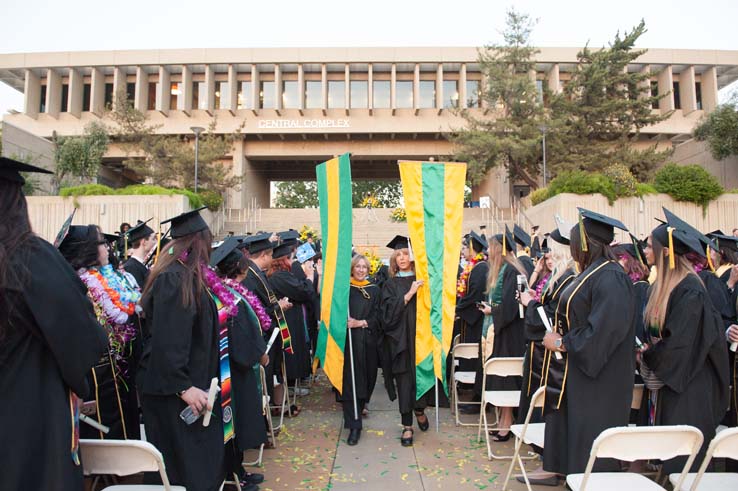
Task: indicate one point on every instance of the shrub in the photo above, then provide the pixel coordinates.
(687, 183)
(622, 179)
(643, 189)
(195, 200)
(212, 199)
(581, 182)
(87, 190)
(539, 196)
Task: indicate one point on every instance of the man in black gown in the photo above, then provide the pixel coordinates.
(141, 239)
(523, 240)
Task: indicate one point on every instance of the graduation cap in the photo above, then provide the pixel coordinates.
(140, 231)
(76, 235)
(399, 242)
(187, 223)
(259, 242)
(282, 250)
(520, 235)
(562, 232)
(634, 249)
(481, 243)
(544, 246)
(677, 222)
(289, 237)
(224, 249)
(10, 170)
(507, 240)
(64, 229)
(678, 241)
(598, 226)
(111, 238)
(722, 240)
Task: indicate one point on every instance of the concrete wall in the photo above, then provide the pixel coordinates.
(23, 145)
(696, 152)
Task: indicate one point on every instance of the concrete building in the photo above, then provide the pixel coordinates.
(302, 106)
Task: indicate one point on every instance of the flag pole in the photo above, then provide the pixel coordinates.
(436, 405)
(353, 378)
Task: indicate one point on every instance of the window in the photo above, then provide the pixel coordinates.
(153, 96)
(539, 91)
(42, 101)
(677, 99)
(404, 94)
(267, 96)
(450, 93)
(222, 92)
(65, 98)
(381, 94)
(313, 94)
(176, 100)
(108, 95)
(359, 94)
(698, 94)
(201, 96)
(473, 93)
(131, 91)
(427, 94)
(654, 93)
(244, 96)
(290, 94)
(336, 94)
(86, 96)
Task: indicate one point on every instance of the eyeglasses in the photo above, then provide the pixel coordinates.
(105, 243)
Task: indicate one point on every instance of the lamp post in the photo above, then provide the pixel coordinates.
(197, 130)
(544, 129)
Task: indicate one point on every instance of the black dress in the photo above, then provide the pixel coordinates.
(50, 340)
(363, 305)
(640, 289)
(182, 352)
(471, 318)
(137, 269)
(595, 314)
(691, 359)
(732, 416)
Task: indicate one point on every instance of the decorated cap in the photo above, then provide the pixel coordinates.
(223, 250)
(399, 242)
(187, 223)
(597, 226)
(520, 235)
(562, 232)
(10, 170)
(480, 244)
(64, 229)
(140, 231)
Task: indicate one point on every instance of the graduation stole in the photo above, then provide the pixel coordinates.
(495, 295)
(225, 368)
(74, 405)
(284, 330)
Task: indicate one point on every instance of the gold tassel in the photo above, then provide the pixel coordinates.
(672, 260)
(504, 244)
(709, 258)
(158, 244)
(582, 235)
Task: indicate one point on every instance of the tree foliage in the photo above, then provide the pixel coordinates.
(687, 183)
(80, 156)
(720, 130)
(304, 194)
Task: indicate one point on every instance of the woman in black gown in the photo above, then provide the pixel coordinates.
(363, 328)
(398, 309)
(49, 341)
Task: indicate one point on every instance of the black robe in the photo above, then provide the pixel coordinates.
(398, 322)
(50, 340)
(640, 289)
(137, 269)
(719, 295)
(691, 359)
(301, 294)
(527, 263)
(364, 342)
(471, 318)
(182, 352)
(732, 416)
(312, 309)
(596, 315)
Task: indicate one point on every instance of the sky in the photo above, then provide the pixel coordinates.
(77, 25)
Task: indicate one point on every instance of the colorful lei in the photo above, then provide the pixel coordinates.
(541, 285)
(254, 302)
(462, 284)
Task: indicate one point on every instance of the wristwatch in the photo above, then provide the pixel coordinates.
(179, 394)
(558, 343)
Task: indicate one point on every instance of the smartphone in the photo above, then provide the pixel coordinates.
(522, 283)
(188, 415)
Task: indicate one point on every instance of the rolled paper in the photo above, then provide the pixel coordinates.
(94, 424)
(214, 389)
(547, 325)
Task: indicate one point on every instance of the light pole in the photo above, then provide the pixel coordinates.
(197, 130)
(544, 129)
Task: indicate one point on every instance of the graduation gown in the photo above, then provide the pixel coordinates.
(137, 269)
(301, 294)
(312, 309)
(640, 289)
(595, 314)
(719, 295)
(366, 359)
(50, 340)
(245, 348)
(527, 263)
(182, 352)
(732, 416)
(691, 359)
(466, 307)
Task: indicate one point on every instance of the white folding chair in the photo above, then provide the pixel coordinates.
(637, 443)
(462, 351)
(724, 445)
(267, 410)
(502, 367)
(528, 433)
(285, 397)
(124, 458)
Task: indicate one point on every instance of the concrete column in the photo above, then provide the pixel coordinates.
(393, 87)
(439, 86)
(209, 88)
(164, 91)
(254, 88)
(687, 93)
(237, 197)
(347, 86)
(482, 89)
(255, 185)
(646, 84)
(416, 87)
(532, 75)
(232, 97)
(709, 89)
(119, 84)
(554, 82)
(31, 94)
(324, 87)
(370, 86)
(142, 90)
(76, 92)
(666, 85)
(300, 87)
(186, 89)
(97, 92)
(278, 87)
(53, 92)
(462, 86)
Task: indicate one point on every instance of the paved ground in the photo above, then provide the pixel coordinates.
(312, 453)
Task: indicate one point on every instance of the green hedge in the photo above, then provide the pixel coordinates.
(687, 183)
(581, 182)
(210, 199)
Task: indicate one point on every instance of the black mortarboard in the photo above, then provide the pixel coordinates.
(223, 250)
(140, 231)
(64, 229)
(10, 170)
(544, 246)
(259, 242)
(722, 240)
(520, 235)
(76, 235)
(399, 242)
(289, 237)
(282, 250)
(598, 226)
(507, 240)
(562, 232)
(111, 238)
(480, 244)
(682, 242)
(677, 222)
(187, 223)
(634, 249)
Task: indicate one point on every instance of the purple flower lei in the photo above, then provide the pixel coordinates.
(215, 285)
(254, 302)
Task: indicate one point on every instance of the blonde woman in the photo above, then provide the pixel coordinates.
(502, 313)
(685, 363)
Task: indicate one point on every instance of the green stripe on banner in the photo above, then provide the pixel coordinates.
(433, 223)
(323, 197)
(341, 284)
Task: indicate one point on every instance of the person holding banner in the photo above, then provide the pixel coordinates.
(181, 302)
(398, 310)
(360, 351)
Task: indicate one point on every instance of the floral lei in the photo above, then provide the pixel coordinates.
(254, 302)
(462, 284)
(541, 285)
(216, 286)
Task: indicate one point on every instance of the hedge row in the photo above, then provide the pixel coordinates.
(210, 199)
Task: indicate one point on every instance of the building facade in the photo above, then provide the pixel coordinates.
(300, 106)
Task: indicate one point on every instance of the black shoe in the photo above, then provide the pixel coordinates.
(353, 437)
(422, 426)
(407, 442)
(253, 478)
(469, 408)
(500, 438)
(541, 481)
(247, 486)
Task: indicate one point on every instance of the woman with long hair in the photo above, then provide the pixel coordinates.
(502, 314)
(49, 341)
(594, 332)
(116, 303)
(685, 365)
(183, 302)
(398, 309)
(360, 375)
